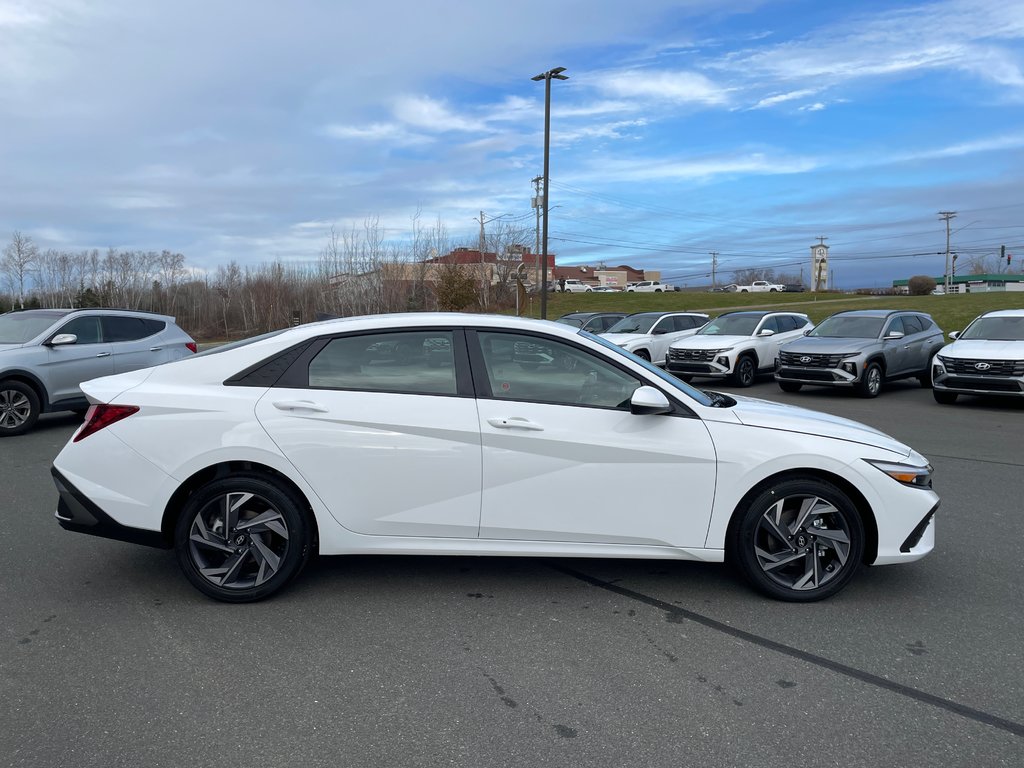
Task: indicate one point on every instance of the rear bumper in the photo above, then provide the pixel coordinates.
(76, 512)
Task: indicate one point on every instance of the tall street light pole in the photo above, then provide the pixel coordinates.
(556, 74)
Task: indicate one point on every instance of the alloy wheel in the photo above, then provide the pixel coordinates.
(15, 409)
(802, 542)
(238, 541)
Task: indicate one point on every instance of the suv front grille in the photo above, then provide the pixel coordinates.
(987, 367)
(691, 355)
(809, 361)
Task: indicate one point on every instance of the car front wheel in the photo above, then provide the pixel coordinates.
(19, 408)
(870, 383)
(241, 538)
(943, 397)
(799, 541)
(790, 386)
(745, 372)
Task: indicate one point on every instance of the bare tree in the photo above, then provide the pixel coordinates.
(17, 264)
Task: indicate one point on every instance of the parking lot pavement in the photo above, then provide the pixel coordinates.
(109, 658)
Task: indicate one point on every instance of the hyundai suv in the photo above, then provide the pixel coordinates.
(986, 359)
(648, 334)
(46, 353)
(736, 346)
(861, 349)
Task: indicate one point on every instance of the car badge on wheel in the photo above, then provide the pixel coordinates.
(982, 366)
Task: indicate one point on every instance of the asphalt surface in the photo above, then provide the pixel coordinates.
(109, 658)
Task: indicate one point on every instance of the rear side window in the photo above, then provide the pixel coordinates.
(120, 328)
(421, 362)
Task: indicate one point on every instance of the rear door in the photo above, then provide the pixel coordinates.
(133, 341)
(384, 428)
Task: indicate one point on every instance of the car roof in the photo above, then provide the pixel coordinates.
(42, 312)
(1003, 313)
(662, 314)
(878, 312)
(589, 315)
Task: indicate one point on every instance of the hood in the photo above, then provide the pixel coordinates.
(10, 346)
(791, 418)
(823, 345)
(974, 349)
(710, 342)
(625, 338)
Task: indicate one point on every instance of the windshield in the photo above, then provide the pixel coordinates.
(693, 392)
(640, 323)
(574, 320)
(731, 325)
(996, 329)
(19, 327)
(847, 327)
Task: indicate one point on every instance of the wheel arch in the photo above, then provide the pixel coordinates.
(867, 514)
(29, 380)
(174, 506)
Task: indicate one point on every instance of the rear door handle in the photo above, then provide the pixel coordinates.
(102, 354)
(299, 405)
(155, 349)
(515, 422)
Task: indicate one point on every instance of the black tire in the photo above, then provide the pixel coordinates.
(773, 290)
(925, 379)
(643, 354)
(745, 372)
(790, 386)
(684, 377)
(943, 397)
(238, 560)
(870, 383)
(19, 408)
(797, 560)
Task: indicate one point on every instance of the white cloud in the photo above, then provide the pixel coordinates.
(433, 115)
(815, 107)
(384, 132)
(771, 101)
(663, 86)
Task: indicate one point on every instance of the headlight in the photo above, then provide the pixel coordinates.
(907, 474)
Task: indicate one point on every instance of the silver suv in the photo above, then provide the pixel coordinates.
(861, 348)
(987, 358)
(46, 353)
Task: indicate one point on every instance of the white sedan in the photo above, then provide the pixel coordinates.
(462, 435)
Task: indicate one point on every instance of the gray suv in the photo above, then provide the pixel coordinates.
(861, 348)
(46, 353)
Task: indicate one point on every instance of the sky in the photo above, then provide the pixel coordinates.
(246, 131)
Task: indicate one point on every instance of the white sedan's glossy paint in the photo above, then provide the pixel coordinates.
(407, 474)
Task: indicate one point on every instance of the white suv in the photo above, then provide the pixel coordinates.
(648, 286)
(576, 286)
(736, 345)
(987, 358)
(648, 334)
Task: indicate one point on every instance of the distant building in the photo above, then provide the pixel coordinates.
(972, 283)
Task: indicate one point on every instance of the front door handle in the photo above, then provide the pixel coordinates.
(299, 405)
(155, 349)
(102, 354)
(515, 422)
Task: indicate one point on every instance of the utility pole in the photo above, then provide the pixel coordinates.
(483, 282)
(536, 248)
(714, 268)
(555, 73)
(947, 283)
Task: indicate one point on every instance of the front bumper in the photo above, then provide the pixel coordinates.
(76, 512)
(829, 377)
(965, 384)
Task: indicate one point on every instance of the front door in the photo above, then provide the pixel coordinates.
(565, 460)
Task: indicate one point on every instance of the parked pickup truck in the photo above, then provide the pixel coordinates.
(761, 286)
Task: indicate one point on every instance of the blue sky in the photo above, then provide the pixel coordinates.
(246, 130)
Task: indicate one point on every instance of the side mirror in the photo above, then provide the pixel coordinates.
(894, 335)
(954, 335)
(63, 338)
(648, 401)
(766, 332)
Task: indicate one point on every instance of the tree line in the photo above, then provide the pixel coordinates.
(356, 272)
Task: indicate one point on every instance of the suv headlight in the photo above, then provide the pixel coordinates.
(906, 474)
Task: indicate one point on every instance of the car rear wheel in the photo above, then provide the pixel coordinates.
(790, 386)
(945, 398)
(745, 372)
(241, 538)
(870, 383)
(19, 408)
(799, 541)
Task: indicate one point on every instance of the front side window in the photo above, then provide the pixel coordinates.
(912, 323)
(420, 362)
(895, 326)
(769, 324)
(87, 329)
(542, 370)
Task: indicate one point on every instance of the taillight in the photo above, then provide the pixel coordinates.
(191, 346)
(100, 416)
